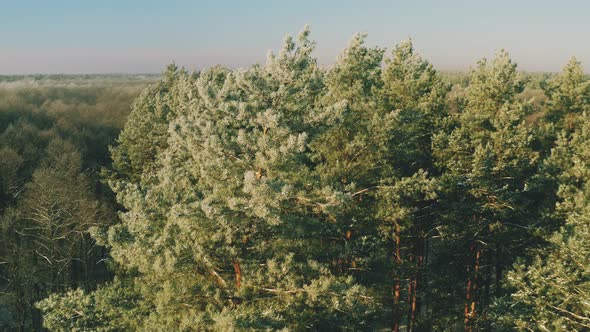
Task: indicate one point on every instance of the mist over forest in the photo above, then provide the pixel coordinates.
(374, 194)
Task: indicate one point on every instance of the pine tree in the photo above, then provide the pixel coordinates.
(267, 197)
(569, 95)
(146, 130)
(225, 229)
(551, 293)
(413, 96)
(348, 154)
(488, 161)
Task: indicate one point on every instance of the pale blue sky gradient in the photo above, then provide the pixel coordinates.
(130, 36)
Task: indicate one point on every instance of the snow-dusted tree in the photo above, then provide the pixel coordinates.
(227, 228)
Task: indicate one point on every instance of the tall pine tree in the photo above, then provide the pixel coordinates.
(488, 161)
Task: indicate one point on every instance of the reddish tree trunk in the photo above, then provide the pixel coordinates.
(414, 283)
(467, 302)
(470, 297)
(396, 297)
(238, 272)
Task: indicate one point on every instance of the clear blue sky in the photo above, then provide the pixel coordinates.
(84, 36)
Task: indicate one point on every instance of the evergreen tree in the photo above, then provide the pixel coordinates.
(488, 162)
(569, 95)
(413, 97)
(146, 130)
(551, 293)
(225, 230)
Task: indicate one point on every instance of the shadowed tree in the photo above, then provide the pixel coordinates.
(488, 161)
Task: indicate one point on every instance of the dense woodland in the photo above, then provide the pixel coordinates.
(54, 138)
(373, 194)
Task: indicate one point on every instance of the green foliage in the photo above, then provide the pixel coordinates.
(488, 163)
(569, 95)
(145, 133)
(551, 292)
(373, 194)
(219, 228)
(113, 307)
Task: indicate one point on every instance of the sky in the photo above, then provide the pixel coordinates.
(142, 36)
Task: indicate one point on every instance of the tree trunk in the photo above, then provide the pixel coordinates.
(397, 283)
(470, 296)
(467, 301)
(238, 272)
(411, 284)
(414, 283)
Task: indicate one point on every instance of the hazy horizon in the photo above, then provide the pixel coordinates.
(131, 37)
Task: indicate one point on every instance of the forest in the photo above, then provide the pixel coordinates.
(372, 194)
(54, 137)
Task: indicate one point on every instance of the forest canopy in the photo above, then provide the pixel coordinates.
(373, 194)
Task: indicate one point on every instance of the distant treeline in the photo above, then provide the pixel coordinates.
(80, 78)
(375, 194)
